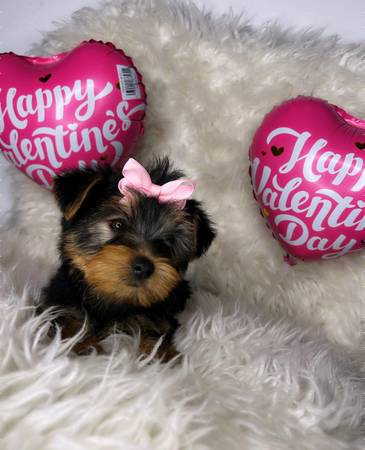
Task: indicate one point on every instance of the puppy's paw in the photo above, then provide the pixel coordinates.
(165, 352)
(87, 346)
(70, 325)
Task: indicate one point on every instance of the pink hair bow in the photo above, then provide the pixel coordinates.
(136, 178)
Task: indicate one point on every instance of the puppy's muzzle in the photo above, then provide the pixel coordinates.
(142, 268)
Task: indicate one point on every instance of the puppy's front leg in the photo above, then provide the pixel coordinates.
(165, 352)
(70, 326)
(151, 329)
(71, 322)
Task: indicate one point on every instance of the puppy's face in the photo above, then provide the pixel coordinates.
(133, 250)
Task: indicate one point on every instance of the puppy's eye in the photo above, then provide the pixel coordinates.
(116, 225)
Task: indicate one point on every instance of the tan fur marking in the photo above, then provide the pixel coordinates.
(74, 207)
(166, 351)
(72, 325)
(109, 273)
(150, 332)
(73, 252)
(162, 282)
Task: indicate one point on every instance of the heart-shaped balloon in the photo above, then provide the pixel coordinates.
(76, 109)
(308, 175)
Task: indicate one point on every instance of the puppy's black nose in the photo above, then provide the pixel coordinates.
(142, 268)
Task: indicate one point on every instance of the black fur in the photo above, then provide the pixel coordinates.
(68, 290)
(177, 237)
(205, 229)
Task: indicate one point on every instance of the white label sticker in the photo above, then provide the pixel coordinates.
(128, 81)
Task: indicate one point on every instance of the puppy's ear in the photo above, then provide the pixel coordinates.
(204, 228)
(72, 188)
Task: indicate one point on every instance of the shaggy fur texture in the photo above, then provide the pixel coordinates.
(274, 352)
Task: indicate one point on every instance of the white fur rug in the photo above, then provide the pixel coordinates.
(273, 353)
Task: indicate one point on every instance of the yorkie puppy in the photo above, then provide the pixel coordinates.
(125, 247)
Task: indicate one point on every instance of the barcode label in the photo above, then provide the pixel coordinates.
(128, 81)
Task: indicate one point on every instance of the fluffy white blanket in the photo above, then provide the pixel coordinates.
(273, 353)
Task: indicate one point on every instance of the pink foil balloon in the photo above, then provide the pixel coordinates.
(308, 175)
(76, 109)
